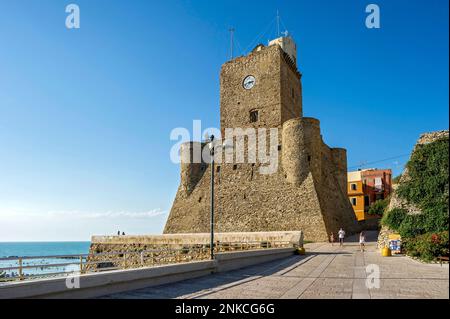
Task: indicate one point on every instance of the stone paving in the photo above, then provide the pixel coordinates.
(326, 271)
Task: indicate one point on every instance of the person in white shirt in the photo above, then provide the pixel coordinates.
(341, 235)
(362, 240)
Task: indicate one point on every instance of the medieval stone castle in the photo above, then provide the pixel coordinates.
(307, 192)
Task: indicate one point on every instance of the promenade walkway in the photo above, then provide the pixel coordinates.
(326, 271)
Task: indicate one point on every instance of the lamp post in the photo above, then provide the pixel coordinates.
(211, 149)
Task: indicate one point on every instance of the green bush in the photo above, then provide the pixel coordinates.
(378, 207)
(408, 225)
(436, 218)
(424, 235)
(411, 226)
(428, 185)
(428, 246)
(394, 218)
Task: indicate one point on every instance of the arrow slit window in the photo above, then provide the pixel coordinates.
(254, 116)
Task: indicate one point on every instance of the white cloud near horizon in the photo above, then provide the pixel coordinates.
(29, 225)
(14, 215)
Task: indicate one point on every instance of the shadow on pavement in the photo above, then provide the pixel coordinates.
(191, 286)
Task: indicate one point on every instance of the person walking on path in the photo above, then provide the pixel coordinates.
(341, 235)
(362, 240)
(332, 239)
(118, 233)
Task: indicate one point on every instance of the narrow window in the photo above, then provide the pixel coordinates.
(279, 147)
(234, 167)
(293, 94)
(254, 116)
(218, 169)
(353, 201)
(309, 158)
(353, 187)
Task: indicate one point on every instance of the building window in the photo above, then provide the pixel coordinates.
(254, 116)
(366, 201)
(353, 200)
(234, 167)
(353, 187)
(218, 169)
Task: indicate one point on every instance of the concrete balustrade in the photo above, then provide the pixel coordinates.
(99, 284)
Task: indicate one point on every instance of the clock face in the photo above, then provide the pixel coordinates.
(249, 82)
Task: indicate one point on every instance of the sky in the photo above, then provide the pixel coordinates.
(86, 114)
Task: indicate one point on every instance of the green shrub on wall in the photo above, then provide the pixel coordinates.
(394, 218)
(426, 234)
(412, 226)
(428, 246)
(428, 185)
(378, 207)
(417, 224)
(436, 218)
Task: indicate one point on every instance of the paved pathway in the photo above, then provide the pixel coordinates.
(326, 271)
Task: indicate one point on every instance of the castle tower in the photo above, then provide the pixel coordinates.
(263, 89)
(305, 192)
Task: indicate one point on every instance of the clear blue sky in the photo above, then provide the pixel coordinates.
(85, 115)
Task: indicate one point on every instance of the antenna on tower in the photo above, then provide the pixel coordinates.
(231, 42)
(278, 23)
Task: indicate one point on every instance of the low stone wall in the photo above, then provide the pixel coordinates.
(104, 283)
(125, 252)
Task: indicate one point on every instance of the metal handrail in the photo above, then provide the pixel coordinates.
(162, 254)
(47, 256)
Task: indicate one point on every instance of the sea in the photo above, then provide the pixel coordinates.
(13, 250)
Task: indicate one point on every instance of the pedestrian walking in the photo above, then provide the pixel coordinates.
(362, 240)
(341, 235)
(332, 239)
(118, 233)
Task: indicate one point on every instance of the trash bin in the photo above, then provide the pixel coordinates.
(385, 252)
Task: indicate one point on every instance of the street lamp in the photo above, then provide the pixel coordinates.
(212, 145)
(211, 150)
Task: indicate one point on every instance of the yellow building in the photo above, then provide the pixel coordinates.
(366, 187)
(355, 191)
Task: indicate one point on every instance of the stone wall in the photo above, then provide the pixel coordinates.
(125, 252)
